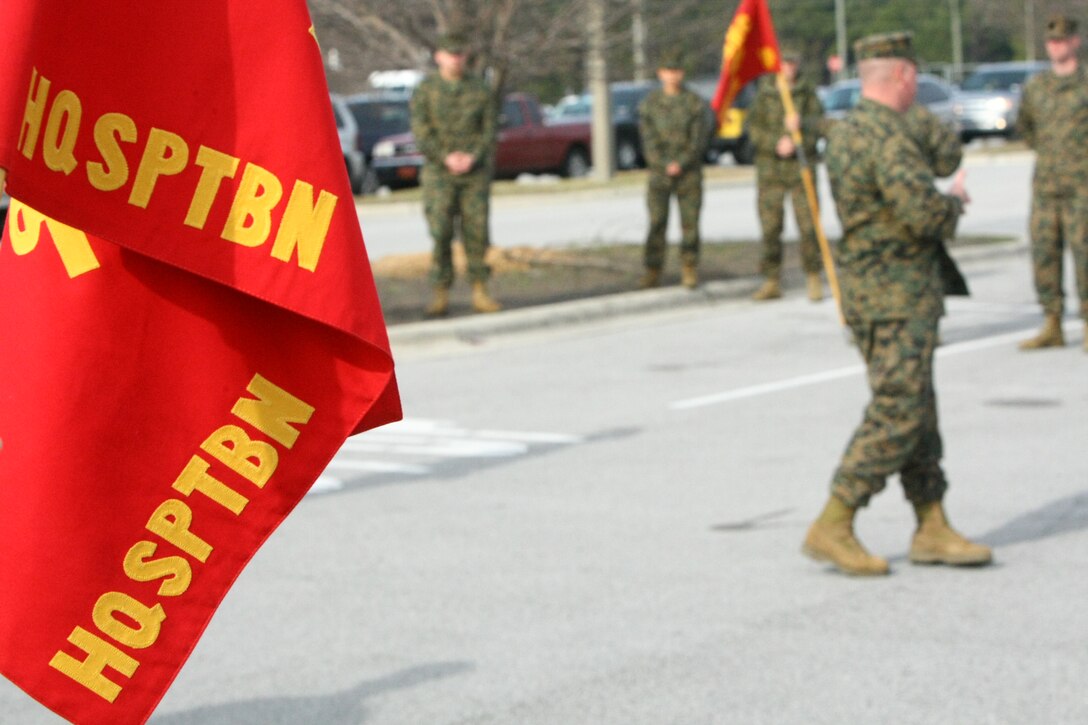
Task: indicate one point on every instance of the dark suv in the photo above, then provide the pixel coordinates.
(379, 114)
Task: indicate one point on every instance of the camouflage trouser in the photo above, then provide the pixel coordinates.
(773, 188)
(1056, 220)
(899, 431)
(688, 188)
(446, 197)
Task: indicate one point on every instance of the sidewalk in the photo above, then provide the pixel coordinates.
(473, 328)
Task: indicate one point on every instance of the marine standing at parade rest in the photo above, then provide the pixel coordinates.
(778, 173)
(454, 124)
(1053, 121)
(673, 125)
(892, 217)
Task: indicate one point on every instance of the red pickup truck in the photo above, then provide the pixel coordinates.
(526, 144)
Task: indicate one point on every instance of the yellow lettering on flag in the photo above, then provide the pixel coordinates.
(176, 571)
(100, 655)
(215, 167)
(734, 39)
(166, 154)
(62, 133)
(148, 620)
(273, 412)
(250, 220)
(768, 56)
(53, 122)
(254, 460)
(109, 131)
(35, 112)
(124, 619)
(25, 229)
(305, 226)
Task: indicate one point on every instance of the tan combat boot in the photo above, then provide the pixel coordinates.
(831, 539)
(815, 286)
(689, 276)
(481, 300)
(440, 303)
(770, 290)
(935, 542)
(1050, 335)
(650, 278)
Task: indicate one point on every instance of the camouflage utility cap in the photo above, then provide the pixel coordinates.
(453, 43)
(790, 54)
(886, 45)
(672, 59)
(1060, 27)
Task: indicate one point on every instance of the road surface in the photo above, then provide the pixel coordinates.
(601, 524)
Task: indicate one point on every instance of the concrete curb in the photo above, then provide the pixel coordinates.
(593, 309)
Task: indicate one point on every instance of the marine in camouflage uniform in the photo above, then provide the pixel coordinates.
(892, 217)
(673, 126)
(778, 176)
(451, 116)
(1054, 121)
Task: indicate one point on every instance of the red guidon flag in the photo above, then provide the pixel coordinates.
(750, 50)
(188, 328)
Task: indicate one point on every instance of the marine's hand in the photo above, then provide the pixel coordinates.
(459, 162)
(959, 187)
(784, 148)
(673, 169)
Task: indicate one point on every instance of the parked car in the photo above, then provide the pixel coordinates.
(526, 144)
(933, 93)
(348, 131)
(731, 136)
(989, 99)
(379, 114)
(626, 97)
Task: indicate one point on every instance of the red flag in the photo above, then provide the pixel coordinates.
(750, 50)
(189, 325)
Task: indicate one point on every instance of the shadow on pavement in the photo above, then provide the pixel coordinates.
(347, 707)
(771, 519)
(1058, 517)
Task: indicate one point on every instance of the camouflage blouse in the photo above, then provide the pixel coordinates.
(450, 116)
(1054, 121)
(937, 140)
(892, 217)
(673, 128)
(766, 120)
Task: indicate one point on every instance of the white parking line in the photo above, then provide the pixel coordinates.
(351, 464)
(766, 388)
(441, 447)
(801, 381)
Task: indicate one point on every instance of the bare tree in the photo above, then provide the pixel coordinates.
(403, 34)
(514, 42)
